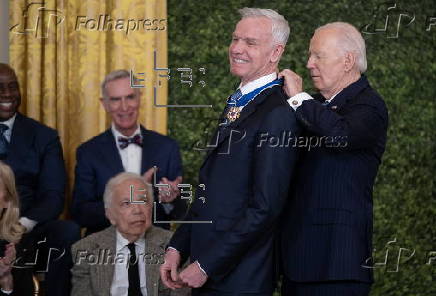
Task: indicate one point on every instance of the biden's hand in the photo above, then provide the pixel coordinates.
(293, 83)
(193, 276)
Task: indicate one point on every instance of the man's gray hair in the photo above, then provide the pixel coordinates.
(114, 75)
(350, 40)
(280, 26)
(109, 190)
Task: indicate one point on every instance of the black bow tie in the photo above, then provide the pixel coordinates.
(124, 142)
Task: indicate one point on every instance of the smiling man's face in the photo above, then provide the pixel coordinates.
(10, 97)
(252, 52)
(122, 103)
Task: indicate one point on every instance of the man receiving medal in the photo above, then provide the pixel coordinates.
(246, 180)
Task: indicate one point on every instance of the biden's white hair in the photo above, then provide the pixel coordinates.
(280, 26)
(349, 40)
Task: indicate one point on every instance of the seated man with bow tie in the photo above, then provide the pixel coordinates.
(125, 146)
(123, 259)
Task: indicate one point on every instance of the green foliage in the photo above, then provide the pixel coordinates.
(401, 69)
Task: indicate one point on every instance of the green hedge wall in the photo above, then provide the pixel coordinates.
(401, 67)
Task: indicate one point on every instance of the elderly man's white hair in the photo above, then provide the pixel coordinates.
(350, 40)
(109, 190)
(280, 26)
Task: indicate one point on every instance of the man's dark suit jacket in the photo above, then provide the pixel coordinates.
(246, 185)
(98, 160)
(35, 156)
(327, 225)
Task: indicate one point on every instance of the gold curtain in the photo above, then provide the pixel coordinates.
(62, 49)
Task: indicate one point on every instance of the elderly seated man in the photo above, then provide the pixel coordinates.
(123, 259)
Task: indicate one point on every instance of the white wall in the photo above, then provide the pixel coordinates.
(4, 31)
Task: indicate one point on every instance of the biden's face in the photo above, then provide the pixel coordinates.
(252, 53)
(326, 62)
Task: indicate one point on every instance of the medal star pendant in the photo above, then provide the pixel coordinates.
(233, 114)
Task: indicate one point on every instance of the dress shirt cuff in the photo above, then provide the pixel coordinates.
(7, 292)
(298, 99)
(201, 268)
(28, 223)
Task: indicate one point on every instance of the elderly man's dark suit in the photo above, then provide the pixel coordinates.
(98, 160)
(327, 225)
(246, 180)
(35, 156)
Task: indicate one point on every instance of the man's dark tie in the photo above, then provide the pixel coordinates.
(124, 142)
(134, 284)
(3, 142)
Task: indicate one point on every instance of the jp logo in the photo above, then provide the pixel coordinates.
(388, 19)
(38, 20)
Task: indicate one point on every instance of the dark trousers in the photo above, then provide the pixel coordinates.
(48, 250)
(328, 288)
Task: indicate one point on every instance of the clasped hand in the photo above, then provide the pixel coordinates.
(191, 276)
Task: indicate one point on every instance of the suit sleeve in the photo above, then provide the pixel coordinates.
(272, 172)
(51, 182)
(87, 209)
(81, 276)
(360, 128)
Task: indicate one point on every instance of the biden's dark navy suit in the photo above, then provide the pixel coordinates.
(327, 224)
(35, 156)
(246, 177)
(98, 160)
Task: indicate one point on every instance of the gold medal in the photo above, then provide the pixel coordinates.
(233, 113)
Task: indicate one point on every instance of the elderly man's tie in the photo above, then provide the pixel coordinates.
(134, 284)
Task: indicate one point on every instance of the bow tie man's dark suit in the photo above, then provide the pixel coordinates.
(35, 156)
(98, 160)
(246, 177)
